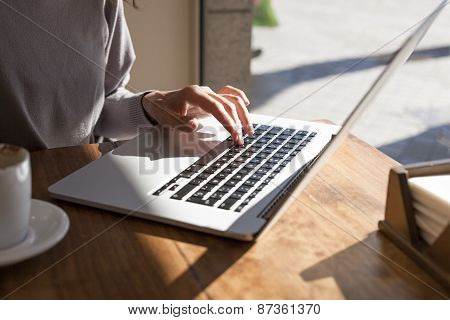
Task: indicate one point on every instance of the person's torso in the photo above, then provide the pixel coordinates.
(52, 61)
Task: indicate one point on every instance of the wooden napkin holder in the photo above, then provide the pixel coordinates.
(400, 224)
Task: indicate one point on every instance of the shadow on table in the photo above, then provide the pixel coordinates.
(219, 256)
(432, 144)
(266, 85)
(358, 269)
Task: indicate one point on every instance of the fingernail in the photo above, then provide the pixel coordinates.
(251, 130)
(238, 138)
(192, 124)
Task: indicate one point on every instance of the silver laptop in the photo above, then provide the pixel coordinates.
(202, 181)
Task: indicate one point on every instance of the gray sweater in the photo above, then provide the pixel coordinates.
(64, 66)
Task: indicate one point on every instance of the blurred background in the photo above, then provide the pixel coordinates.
(306, 60)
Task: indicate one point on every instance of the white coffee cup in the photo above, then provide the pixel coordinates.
(15, 194)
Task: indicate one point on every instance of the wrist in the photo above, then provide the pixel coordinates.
(146, 103)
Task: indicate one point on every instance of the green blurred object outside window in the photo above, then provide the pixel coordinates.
(264, 14)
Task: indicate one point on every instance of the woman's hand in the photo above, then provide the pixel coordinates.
(182, 108)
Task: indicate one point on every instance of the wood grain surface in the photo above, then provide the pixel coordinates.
(326, 246)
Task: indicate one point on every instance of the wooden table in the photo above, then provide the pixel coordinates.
(326, 246)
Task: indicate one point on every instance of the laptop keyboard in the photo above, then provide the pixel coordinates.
(230, 176)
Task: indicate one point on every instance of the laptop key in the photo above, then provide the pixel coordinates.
(224, 159)
(214, 181)
(217, 195)
(240, 159)
(227, 204)
(290, 157)
(238, 147)
(289, 145)
(262, 155)
(203, 176)
(231, 183)
(222, 175)
(275, 129)
(256, 161)
(256, 176)
(208, 157)
(253, 194)
(258, 132)
(294, 141)
(278, 169)
(195, 168)
(217, 165)
(228, 170)
(250, 183)
(186, 174)
(195, 200)
(207, 187)
(238, 176)
(250, 166)
(267, 166)
(260, 187)
(278, 155)
(284, 136)
(289, 131)
(234, 165)
(159, 191)
(278, 141)
(273, 160)
(237, 195)
(244, 171)
(247, 154)
(183, 191)
(199, 194)
(196, 182)
(262, 170)
(210, 201)
(249, 139)
(244, 189)
(224, 189)
(211, 170)
(273, 174)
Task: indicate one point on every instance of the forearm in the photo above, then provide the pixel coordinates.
(122, 116)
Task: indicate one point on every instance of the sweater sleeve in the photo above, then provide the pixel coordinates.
(122, 113)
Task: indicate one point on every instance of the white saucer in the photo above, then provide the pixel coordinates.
(48, 225)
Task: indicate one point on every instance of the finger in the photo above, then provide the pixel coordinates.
(195, 96)
(188, 124)
(242, 112)
(154, 105)
(197, 112)
(229, 105)
(236, 92)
